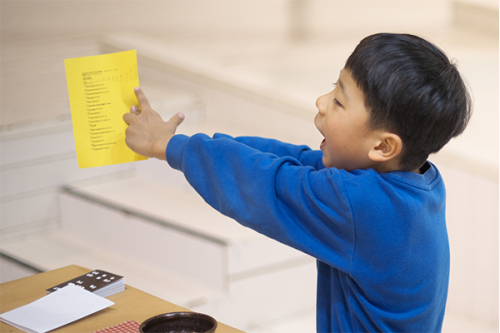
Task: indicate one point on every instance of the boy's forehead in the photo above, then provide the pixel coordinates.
(345, 80)
(349, 87)
(339, 81)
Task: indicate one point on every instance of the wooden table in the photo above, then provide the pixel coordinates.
(130, 304)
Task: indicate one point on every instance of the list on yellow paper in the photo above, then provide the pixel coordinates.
(101, 90)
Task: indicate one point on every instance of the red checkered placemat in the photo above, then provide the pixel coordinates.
(128, 326)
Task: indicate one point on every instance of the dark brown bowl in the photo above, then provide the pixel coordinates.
(179, 322)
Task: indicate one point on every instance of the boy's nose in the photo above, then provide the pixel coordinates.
(320, 104)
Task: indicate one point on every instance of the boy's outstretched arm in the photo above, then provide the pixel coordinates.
(147, 133)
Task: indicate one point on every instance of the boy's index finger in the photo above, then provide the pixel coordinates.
(143, 101)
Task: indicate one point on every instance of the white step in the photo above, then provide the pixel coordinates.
(179, 214)
(172, 227)
(195, 71)
(167, 241)
(58, 249)
(37, 158)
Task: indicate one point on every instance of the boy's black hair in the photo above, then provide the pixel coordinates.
(413, 90)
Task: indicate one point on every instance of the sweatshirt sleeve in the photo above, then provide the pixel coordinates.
(302, 153)
(275, 195)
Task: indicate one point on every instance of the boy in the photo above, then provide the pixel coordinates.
(368, 206)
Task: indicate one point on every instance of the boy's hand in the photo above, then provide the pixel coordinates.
(147, 134)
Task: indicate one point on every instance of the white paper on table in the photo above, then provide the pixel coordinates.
(55, 310)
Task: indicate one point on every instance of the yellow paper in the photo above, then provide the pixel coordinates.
(101, 90)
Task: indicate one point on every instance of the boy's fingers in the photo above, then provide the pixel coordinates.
(127, 117)
(177, 119)
(143, 101)
(135, 110)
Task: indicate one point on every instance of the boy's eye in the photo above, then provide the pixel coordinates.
(337, 102)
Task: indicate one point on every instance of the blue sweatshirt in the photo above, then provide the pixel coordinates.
(380, 239)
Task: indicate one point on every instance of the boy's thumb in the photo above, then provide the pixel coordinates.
(177, 119)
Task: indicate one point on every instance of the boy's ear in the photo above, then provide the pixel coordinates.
(387, 147)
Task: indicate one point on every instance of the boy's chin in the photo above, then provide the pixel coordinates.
(329, 164)
(340, 165)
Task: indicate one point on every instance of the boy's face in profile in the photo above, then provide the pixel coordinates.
(344, 122)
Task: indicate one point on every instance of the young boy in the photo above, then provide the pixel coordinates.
(368, 206)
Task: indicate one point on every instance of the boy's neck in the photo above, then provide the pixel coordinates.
(389, 167)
